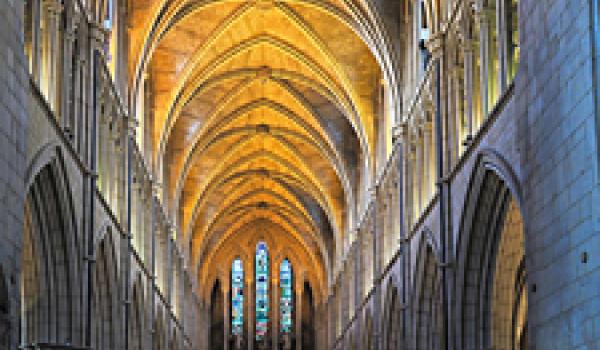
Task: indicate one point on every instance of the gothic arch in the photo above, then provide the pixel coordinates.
(308, 330)
(160, 332)
(106, 294)
(390, 295)
(137, 316)
(50, 260)
(367, 332)
(217, 326)
(491, 267)
(392, 318)
(427, 290)
(349, 340)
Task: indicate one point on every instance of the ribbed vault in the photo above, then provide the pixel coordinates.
(261, 113)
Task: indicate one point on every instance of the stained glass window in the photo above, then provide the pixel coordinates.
(286, 302)
(108, 19)
(237, 297)
(262, 290)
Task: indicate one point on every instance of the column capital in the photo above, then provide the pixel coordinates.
(132, 125)
(483, 15)
(435, 45)
(400, 130)
(427, 127)
(54, 7)
(98, 33)
(468, 46)
(70, 35)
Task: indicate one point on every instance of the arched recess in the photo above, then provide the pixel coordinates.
(392, 319)
(349, 341)
(137, 317)
(217, 326)
(50, 259)
(106, 295)
(428, 312)
(308, 318)
(5, 325)
(491, 266)
(159, 337)
(175, 341)
(367, 332)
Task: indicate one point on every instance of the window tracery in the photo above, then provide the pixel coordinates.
(237, 297)
(286, 301)
(262, 291)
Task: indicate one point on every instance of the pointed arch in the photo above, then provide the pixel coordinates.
(237, 297)
(217, 326)
(262, 290)
(491, 259)
(367, 331)
(392, 318)
(50, 260)
(286, 299)
(308, 330)
(106, 294)
(428, 311)
(138, 315)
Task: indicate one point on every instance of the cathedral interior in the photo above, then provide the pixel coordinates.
(299, 174)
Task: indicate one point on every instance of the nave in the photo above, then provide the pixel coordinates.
(299, 174)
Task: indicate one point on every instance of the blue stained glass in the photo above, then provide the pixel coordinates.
(237, 297)
(262, 290)
(108, 21)
(286, 302)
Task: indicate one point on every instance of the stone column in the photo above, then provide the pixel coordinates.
(275, 309)
(502, 42)
(419, 180)
(67, 99)
(34, 60)
(453, 131)
(377, 267)
(345, 295)
(226, 301)
(429, 173)
(53, 9)
(250, 306)
(457, 73)
(299, 291)
(110, 170)
(483, 21)
(331, 318)
(469, 90)
(411, 202)
(360, 269)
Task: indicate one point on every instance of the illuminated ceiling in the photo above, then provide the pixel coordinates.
(262, 112)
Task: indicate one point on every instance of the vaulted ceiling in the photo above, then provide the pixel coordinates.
(262, 113)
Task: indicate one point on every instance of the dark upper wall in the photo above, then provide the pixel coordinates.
(14, 87)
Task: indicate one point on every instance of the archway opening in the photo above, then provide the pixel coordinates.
(509, 297)
(308, 318)
(49, 265)
(393, 320)
(217, 329)
(104, 275)
(492, 268)
(429, 309)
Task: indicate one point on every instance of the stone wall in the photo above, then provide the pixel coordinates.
(541, 140)
(14, 86)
